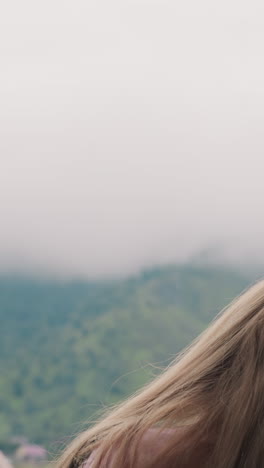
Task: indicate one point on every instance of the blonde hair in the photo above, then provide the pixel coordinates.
(213, 387)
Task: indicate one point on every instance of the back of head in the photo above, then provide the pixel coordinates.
(214, 389)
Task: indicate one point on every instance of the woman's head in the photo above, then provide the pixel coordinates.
(214, 388)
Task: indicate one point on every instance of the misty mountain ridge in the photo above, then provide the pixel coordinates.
(69, 347)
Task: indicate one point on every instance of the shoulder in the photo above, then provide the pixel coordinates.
(151, 444)
(154, 441)
(186, 454)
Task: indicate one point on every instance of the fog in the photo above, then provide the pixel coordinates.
(131, 134)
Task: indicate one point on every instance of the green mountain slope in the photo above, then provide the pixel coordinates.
(66, 349)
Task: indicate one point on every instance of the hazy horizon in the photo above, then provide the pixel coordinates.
(131, 134)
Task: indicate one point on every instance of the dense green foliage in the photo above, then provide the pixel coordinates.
(67, 348)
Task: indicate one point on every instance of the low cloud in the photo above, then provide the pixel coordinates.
(131, 135)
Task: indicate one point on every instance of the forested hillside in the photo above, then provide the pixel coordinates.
(67, 348)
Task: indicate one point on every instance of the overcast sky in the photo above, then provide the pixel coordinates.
(131, 133)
